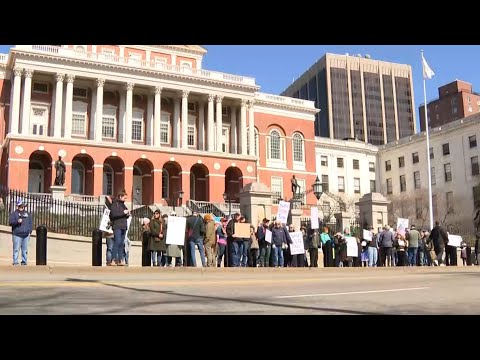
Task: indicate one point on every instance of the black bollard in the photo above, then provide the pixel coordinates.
(42, 245)
(225, 255)
(146, 258)
(97, 247)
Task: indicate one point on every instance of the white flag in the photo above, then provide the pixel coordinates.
(427, 72)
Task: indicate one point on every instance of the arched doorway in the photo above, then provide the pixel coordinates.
(39, 172)
(199, 183)
(113, 176)
(142, 182)
(233, 182)
(82, 175)
(171, 182)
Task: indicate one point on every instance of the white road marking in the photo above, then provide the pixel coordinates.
(350, 293)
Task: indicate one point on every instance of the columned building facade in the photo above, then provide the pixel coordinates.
(147, 119)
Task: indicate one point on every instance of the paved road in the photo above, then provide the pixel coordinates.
(87, 290)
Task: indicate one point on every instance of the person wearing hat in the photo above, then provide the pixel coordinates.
(413, 237)
(222, 241)
(157, 244)
(210, 239)
(21, 223)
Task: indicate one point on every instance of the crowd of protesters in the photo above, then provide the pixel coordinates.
(217, 243)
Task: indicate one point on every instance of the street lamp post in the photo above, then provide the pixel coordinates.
(317, 188)
(327, 257)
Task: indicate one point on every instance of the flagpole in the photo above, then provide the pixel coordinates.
(430, 206)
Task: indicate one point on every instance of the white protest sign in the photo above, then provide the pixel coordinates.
(268, 236)
(176, 230)
(454, 240)
(314, 217)
(129, 221)
(297, 246)
(282, 212)
(105, 221)
(367, 235)
(402, 224)
(352, 247)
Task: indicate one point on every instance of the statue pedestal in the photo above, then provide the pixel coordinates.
(58, 192)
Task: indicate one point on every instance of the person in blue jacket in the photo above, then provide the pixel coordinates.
(21, 223)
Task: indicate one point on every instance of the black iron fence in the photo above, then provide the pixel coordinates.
(135, 229)
(332, 226)
(63, 217)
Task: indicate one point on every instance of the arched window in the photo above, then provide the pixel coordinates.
(165, 184)
(275, 152)
(298, 150)
(107, 180)
(78, 178)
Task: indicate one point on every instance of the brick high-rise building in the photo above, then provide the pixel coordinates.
(359, 97)
(456, 100)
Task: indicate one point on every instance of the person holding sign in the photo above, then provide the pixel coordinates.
(244, 247)
(265, 246)
(118, 216)
(233, 241)
(400, 245)
(109, 235)
(173, 250)
(280, 240)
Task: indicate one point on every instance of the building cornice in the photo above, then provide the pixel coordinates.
(127, 147)
(170, 71)
(472, 120)
(177, 49)
(284, 102)
(344, 145)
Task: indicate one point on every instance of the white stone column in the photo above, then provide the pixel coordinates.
(121, 113)
(175, 122)
(17, 84)
(150, 121)
(219, 122)
(185, 119)
(27, 95)
(233, 130)
(210, 135)
(243, 127)
(128, 113)
(251, 127)
(99, 111)
(68, 107)
(201, 126)
(93, 114)
(57, 124)
(157, 116)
